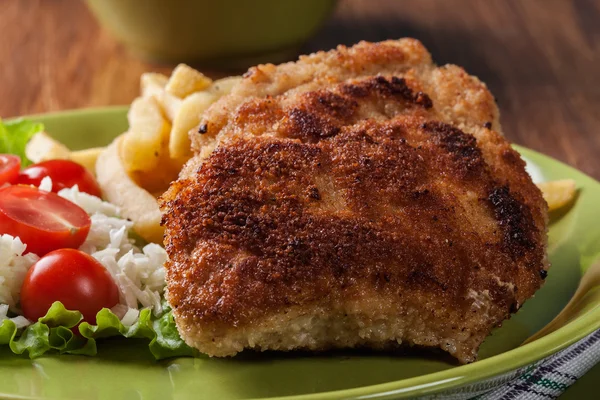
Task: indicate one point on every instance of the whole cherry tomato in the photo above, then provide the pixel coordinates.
(72, 277)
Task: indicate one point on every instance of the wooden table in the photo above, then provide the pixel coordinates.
(541, 59)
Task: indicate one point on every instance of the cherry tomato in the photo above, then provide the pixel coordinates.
(9, 168)
(64, 174)
(72, 277)
(44, 221)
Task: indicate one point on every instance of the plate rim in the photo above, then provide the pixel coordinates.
(436, 382)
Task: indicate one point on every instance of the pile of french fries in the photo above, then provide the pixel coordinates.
(156, 144)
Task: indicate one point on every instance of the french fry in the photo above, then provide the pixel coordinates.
(135, 202)
(186, 80)
(42, 147)
(224, 86)
(147, 137)
(153, 86)
(153, 80)
(558, 193)
(87, 157)
(169, 104)
(189, 116)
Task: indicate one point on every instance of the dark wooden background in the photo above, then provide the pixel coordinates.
(540, 58)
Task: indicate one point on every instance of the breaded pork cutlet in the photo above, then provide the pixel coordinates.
(361, 197)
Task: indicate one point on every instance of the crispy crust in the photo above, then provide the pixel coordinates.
(342, 207)
(459, 98)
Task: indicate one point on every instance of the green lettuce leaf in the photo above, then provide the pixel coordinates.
(167, 342)
(54, 333)
(14, 136)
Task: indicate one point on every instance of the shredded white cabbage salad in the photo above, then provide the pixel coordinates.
(138, 273)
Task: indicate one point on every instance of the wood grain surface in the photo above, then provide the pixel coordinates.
(540, 58)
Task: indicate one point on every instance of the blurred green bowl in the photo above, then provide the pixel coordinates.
(224, 33)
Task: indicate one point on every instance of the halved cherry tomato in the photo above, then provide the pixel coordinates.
(44, 221)
(72, 277)
(9, 168)
(64, 174)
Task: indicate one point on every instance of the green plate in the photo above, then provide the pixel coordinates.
(124, 369)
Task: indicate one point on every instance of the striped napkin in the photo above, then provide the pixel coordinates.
(543, 380)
